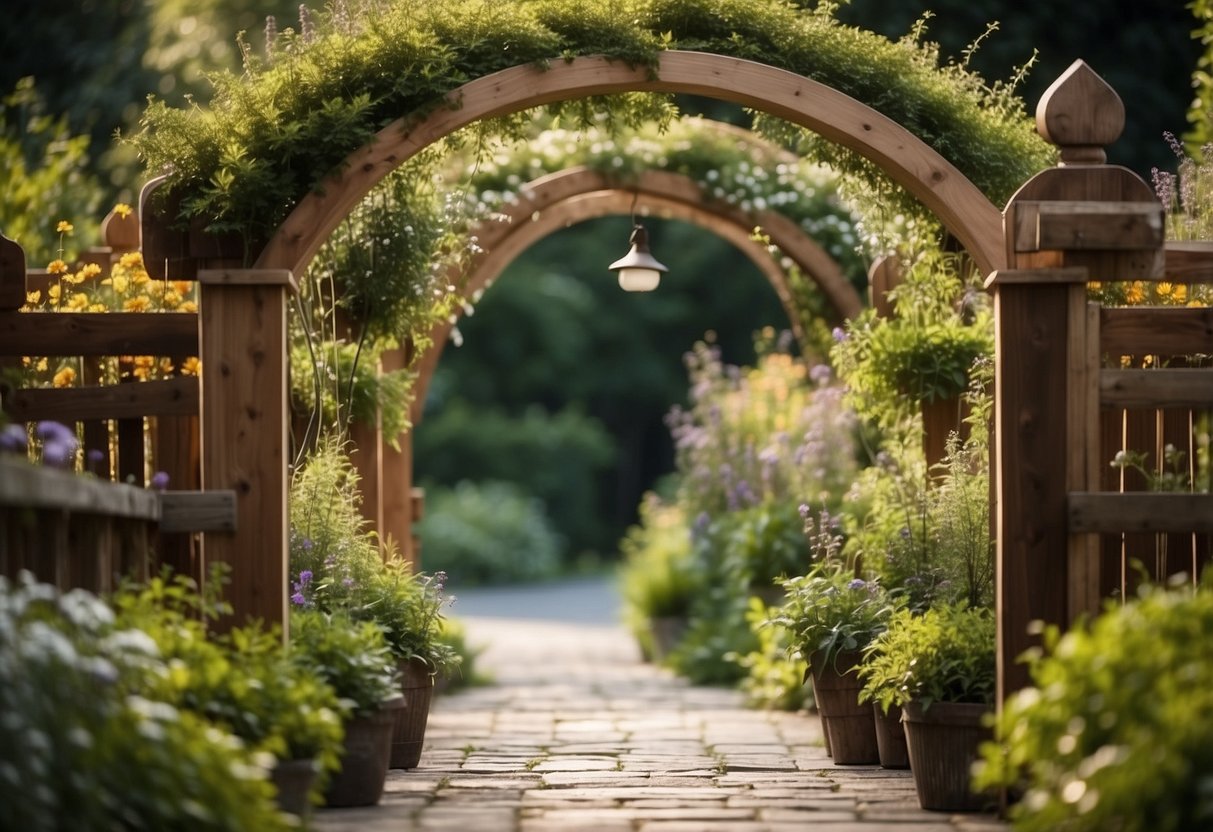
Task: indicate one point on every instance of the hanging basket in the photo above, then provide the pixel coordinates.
(848, 725)
(943, 741)
(408, 733)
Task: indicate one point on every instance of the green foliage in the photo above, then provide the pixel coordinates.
(830, 611)
(924, 353)
(716, 635)
(945, 654)
(351, 656)
(488, 533)
(44, 178)
(776, 672)
(275, 132)
(408, 608)
(557, 457)
(453, 634)
(88, 742)
(657, 577)
(766, 542)
(1117, 731)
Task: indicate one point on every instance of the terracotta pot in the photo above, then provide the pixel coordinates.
(849, 728)
(364, 762)
(408, 734)
(943, 741)
(294, 779)
(891, 738)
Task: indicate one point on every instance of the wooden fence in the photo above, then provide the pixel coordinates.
(127, 429)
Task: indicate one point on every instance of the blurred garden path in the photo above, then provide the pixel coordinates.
(577, 735)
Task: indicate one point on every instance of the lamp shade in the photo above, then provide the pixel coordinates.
(639, 270)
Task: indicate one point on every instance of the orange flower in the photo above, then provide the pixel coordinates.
(166, 366)
(140, 303)
(188, 306)
(191, 366)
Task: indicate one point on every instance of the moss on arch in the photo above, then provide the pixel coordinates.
(277, 131)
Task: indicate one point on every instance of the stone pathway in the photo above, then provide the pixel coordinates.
(578, 736)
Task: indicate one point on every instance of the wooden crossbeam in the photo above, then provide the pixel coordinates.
(168, 397)
(198, 511)
(98, 333)
(1112, 513)
(1078, 225)
(35, 487)
(1155, 330)
(1157, 388)
(1189, 262)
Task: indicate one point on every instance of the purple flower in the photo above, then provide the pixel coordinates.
(298, 599)
(305, 577)
(820, 374)
(839, 334)
(857, 583)
(55, 432)
(58, 453)
(347, 582)
(159, 481)
(95, 457)
(13, 439)
(307, 544)
(804, 511)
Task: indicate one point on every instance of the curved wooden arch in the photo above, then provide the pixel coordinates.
(576, 195)
(934, 181)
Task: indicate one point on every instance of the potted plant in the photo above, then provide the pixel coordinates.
(831, 616)
(408, 609)
(658, 578)
(354, 659)
(939, 668)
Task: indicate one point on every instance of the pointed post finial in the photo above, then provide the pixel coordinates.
(1081, 114)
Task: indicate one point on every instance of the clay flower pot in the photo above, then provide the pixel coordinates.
(849, 727)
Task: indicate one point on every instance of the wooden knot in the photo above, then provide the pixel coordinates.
(1081, 114)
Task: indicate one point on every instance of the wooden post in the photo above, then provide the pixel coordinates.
(396, 485)
(244, 431)
(1081, 218)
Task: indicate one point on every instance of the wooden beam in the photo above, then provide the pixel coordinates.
(1189, 262)
(1162, 387)
(98, 333)
(1139, 512)
(167, 397)
(12, 274)
(198, 511)
(24, 485)
(1076, 225)
(1155, 330)
(244, 437)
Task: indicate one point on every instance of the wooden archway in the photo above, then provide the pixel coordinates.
(577, 195)
(929, 177)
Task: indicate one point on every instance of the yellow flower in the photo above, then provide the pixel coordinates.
(166, 366)
(171, 300)
(90, 270)
(140, 278)
(191, 366)
(78, 302)
(139, 303)
(120, 284)
(57, 267)
(1135, 292)
(52, 293)
(97, 307)
(41, 365)
(1181, 294)
(1163, 288)
(123, 210)
(64, 227)
(183, 286)
(33, 297)
(65, 377)
(188, 306)
(131, 260)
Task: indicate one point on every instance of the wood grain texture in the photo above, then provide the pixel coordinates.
(1082, 355)
(98, 333)
(1189, 262)
(1156, 330)
(397, 482)
(244, 441)
(933, 180)
(1081, 114)
(885, 275)
(249, 277)
(173, 396)
(1140, 512)
(1074, 225)
(1158, 387)
(23, 485)
(198, 511)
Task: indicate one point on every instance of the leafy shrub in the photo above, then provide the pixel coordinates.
(351, 656)
(453, 634)
(658, 576)
(408, 608)
(775, 671)
(1117, 732)
(87, 742)
(946, 654)
(488, 533)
